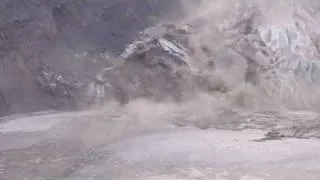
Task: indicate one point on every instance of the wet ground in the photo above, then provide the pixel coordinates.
(132, 143)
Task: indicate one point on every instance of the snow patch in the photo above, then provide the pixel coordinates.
(31, 124)
(217, 147)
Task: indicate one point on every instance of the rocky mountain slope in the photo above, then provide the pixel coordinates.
(70, 54)
(43, 40)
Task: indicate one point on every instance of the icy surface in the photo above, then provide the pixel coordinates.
(110, 144)
(30, 124)
(214, 147)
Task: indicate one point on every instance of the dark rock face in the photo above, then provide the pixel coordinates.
(158, 66)
(108, 25)
(54, 54)
(36, 34)
(152, 66)
(58, 85)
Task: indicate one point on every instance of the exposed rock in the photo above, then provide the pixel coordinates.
(57, 84)
(155, 66)
(165, 61)
(36, 34)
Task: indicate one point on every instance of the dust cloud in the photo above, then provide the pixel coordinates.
(217, 24)
(273, 100)
(221, 27)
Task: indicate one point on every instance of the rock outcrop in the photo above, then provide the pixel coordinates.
(67, 37)
(61, 54)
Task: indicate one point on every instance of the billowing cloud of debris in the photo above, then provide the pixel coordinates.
(252, 53)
